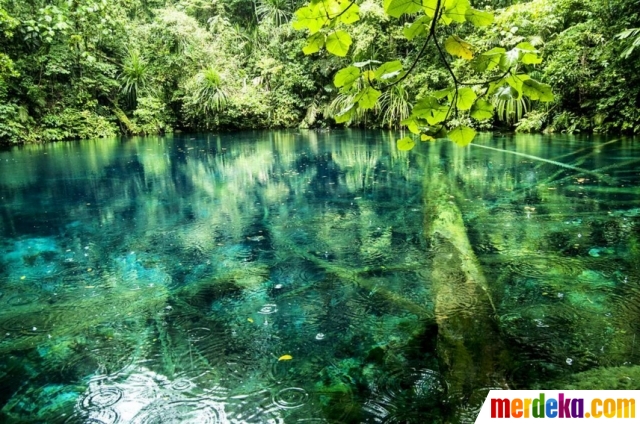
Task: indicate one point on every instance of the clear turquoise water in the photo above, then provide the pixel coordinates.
(283, 277)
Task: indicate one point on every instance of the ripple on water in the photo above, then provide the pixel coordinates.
(268, 309)
(290, 398)
(26, 325)
(102, 398)
(107, 357)
(541, 267)
(102, 416)
(181, 411)
(253, 408)
(22, 299)
(407, 396)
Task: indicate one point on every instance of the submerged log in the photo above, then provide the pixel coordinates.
(469, 346)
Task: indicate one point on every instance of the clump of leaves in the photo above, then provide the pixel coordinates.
(134, 77)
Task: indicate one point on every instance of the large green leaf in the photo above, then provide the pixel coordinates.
(441, 94)
(314, 43)
(309, 17)
(466, 97)
(405, 144)
(478, 17)
(346, 77)
(537, 91)
(455, 46)
(367, 98)
(461, 135)
(509, 59)
(388, 70)
(417, 29)
(397, 8)
(516, 81)
(528, 54)
(431, 110)
(330, 8)
(352, 14)
(338, 43)
(429, 7)
(488, 60)
(482, 110)
(455, 10)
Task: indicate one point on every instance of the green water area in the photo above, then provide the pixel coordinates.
(313, 277)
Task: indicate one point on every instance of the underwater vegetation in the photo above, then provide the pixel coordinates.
(306, 278)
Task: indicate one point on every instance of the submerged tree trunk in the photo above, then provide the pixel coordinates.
(469, 346)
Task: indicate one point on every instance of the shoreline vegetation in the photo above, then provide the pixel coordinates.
(94, 68)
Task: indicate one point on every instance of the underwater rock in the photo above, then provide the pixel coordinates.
(611, 378)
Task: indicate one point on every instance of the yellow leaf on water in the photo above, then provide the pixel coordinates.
(23, 277)
(285, 358)
(250, 319)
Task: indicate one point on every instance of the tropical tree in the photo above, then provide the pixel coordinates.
(442, 24)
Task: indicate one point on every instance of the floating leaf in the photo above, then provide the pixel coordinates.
(314, 43)
(466, 97)
(461, 135)
(285, 358)
(457, 47)
(537, 91)
(367, 98)
(482, 110)
(388, 70)
(346, 77)
(397, 8)
(405, 144)
(338, 43)
(250, 320)
(417, 29)
(478, 17)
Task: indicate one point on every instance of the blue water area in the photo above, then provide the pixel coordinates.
(313, 277)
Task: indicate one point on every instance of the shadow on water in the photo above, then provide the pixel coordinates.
(307, 277)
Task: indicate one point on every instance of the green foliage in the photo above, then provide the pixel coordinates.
(629, 33)
(430, 66)
(502, 72)
(135, 75)
(152, 117)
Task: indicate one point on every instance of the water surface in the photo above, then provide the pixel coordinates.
(283, 277)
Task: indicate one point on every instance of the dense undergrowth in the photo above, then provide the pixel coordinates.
(94, 68)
